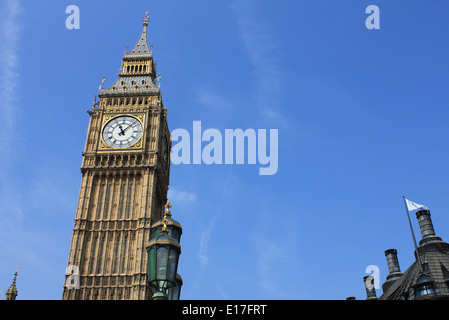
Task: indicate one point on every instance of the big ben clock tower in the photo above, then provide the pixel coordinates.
(125, 176)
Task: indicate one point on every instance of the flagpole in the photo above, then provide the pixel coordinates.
(413, 234)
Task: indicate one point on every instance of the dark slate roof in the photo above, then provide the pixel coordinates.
(435, 260)
(403, 284)
(135, 84)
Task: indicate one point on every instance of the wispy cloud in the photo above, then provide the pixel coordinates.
(180, 196)
(270, 255)
(213, 101)
(204, 241)
(274, 243)
(10, 39)
(12, 233)
(260, 45)
(206, 234)
(9, 78)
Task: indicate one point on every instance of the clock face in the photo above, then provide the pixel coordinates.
(122, 132)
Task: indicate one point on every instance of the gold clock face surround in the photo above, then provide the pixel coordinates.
(122, 131)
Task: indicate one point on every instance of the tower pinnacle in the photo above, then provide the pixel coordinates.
(138, 70)
(12, 291)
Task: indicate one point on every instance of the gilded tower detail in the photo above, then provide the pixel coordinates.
(125, 176)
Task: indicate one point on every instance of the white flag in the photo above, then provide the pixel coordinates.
(411, 206)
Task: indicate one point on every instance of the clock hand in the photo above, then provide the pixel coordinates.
(127, 128)
(121, 131)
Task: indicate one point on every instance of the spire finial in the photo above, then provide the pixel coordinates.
(146, 19)
(102, 82)
(15, 275)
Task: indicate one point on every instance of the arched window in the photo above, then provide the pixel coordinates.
(100, 200)
(106, 201)
(100, 262)
(130, 200)
(117, 246)
(93, 254)
(124, 254)
(122, 202)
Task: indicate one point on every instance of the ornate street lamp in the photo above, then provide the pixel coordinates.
(163, 256)
(174, 293)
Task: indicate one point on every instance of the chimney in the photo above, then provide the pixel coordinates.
(393, 268)
(393, 263)
(426, 226)
(369, 286)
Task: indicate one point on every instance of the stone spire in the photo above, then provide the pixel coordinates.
(141, 48)
(12, 291)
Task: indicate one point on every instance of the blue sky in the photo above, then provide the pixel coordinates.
(362, 119)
